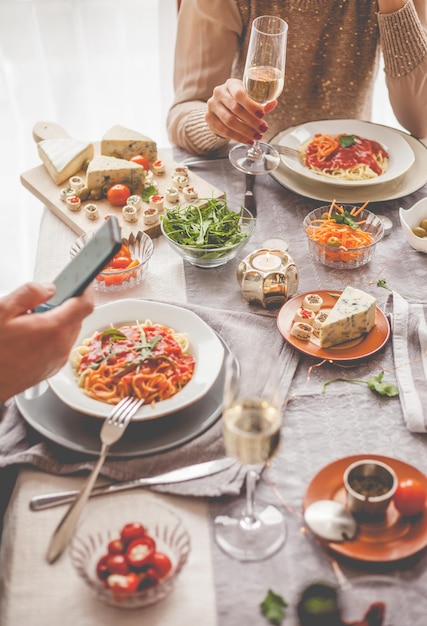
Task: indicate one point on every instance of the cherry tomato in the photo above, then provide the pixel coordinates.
(102, 570)
(116, 547)
(131, 531)
(410, 497)
(140, 552)
(118, 194)
(141, 160)
(117, 564)
(120, 584)
(161, 563)
(148, 578)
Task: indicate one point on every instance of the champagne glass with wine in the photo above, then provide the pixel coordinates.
(251, 422)
(263, 79)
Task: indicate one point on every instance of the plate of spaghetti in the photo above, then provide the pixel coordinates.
(160, 352)
(347, 152)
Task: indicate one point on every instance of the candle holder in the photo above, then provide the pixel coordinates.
(268, 277)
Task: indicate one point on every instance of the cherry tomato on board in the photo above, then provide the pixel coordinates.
(118, 194)
(410, 497)
(141, 160)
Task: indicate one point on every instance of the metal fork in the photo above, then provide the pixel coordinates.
(111, 431)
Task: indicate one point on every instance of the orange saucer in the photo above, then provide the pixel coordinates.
(392, 538)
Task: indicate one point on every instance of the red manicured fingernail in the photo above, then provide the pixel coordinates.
(263, 128)
(257, 135)
(259, 114)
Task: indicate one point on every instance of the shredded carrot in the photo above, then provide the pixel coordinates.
(349, 243)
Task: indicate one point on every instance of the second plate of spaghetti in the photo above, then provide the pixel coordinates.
(158, 351)
(347, 153)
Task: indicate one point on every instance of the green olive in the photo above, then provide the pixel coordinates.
(325, 216)
(419, 232)
(423, 223)
(334, 242)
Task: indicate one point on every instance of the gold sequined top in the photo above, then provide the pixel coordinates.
(332, 61)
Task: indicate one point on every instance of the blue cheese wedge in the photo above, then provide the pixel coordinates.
(352, 316)
(123, 143)
(63, 157)
(103, 172)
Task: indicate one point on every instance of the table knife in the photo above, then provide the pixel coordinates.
(182, 474)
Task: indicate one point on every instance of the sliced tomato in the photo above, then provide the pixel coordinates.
(140, 552)
(125, 585)
(141, 160)
(118, 194)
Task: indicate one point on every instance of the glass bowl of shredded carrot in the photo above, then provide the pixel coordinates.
(343, 236)
(128, 267)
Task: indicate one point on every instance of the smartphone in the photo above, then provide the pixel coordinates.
(83, 268)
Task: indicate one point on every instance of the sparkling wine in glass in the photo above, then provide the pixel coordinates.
(251, 424)
(263, 79)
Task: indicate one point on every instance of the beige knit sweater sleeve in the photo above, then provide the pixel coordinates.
(403, 36)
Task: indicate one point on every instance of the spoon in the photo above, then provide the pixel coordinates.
(330, 520)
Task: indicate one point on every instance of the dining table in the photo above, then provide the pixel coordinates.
(324, 427)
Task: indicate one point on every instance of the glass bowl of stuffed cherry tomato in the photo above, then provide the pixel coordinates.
(128, 267)
(131, 559)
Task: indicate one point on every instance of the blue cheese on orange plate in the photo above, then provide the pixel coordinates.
(103, 172)
(124, 143)
(352, 316)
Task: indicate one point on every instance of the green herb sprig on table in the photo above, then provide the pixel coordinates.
(273, 607)
(211, 225)
(375, 383)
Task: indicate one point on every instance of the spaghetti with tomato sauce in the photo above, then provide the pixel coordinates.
(144, 360)
(346, 157)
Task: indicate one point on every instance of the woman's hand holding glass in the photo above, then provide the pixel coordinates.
(263, 81)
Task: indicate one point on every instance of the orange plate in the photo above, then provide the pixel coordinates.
(350, 350)
(391, 539)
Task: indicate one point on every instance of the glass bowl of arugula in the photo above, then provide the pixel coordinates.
(343, 236)
(208, 234)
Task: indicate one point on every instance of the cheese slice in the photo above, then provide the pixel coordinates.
(63, 157)
(124, 143)
(104, 171)
(352, 316)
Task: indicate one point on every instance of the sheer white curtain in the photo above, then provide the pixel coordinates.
(86, 65)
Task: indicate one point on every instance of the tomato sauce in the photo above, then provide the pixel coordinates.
(362, 151)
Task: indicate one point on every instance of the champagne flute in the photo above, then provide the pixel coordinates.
(251, 423)
(263, 79)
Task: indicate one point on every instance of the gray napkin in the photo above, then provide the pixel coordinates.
(248, 336)
(409, 340)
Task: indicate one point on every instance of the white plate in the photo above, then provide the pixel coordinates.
(401, 155)
(414, 179)
(204, 345)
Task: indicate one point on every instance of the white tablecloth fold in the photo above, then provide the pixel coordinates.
(409, 340)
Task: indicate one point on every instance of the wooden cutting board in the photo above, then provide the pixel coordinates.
(39, 182)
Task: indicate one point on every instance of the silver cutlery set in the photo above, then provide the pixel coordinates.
(112, 430)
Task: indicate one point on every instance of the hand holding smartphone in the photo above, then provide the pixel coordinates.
(83, 268)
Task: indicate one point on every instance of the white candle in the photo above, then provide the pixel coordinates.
(266, 261)
(277, 243)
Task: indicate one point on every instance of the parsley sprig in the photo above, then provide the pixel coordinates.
(273, 607)
(375, 383)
